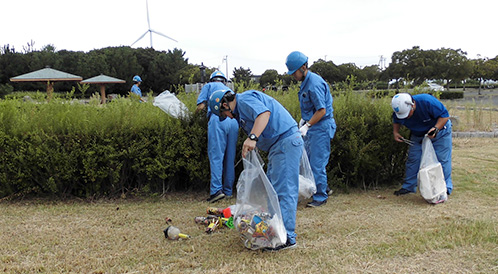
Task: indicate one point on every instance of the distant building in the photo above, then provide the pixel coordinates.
(197, 87)
(255, 78)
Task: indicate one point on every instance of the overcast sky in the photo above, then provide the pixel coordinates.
(257, 34)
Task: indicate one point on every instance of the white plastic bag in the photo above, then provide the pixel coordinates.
(257, 216)
(430, 177)
(170, 104)
(307, 185)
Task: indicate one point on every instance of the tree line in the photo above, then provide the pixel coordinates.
(415, 65)
(161, 70)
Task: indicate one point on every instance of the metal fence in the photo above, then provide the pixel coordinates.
(197, 87)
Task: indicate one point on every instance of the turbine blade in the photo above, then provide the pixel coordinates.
(156, 32)
(147, 5)
(142, 36)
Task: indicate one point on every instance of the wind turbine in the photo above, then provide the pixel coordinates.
(151, 30)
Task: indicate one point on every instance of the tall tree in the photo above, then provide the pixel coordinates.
(242, 75)
(269, 77)
(350, 69)
(419, 65)
(451, 65)
(190, 74)
(494, 68)
(371, 73)
(287, 79)
(485, 69)
(328, 70)
(47, 56)
(408, 64)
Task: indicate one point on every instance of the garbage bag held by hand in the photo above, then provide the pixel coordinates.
(257, 216)
(307, 186)
(170, 104)
(430, 177)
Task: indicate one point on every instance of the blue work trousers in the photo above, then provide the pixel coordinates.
(317, 144)
(443, 147)
(283, 172)
(222, 144)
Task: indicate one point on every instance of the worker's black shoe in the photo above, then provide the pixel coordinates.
(216, 197)
(316, 203)
(287, 245)
(401, 191)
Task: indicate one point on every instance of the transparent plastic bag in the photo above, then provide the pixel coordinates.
(430, 177)
(257, 216)
(307, 185)
(168, 103)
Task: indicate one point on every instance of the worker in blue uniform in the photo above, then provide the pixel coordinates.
(269, 127)
(424, 115)
(222, 142)
(135, 89)
(317, 123)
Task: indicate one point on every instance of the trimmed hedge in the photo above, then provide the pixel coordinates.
(364, 153)
(85, 150)
(69, 149)
(451, 94)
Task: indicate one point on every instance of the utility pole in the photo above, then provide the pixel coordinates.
(382, 62)
(225, 59)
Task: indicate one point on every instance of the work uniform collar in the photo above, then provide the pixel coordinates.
(306, 78)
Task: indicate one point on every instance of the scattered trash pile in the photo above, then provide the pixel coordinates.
(256, 215)
(216, 218)
(256, 226)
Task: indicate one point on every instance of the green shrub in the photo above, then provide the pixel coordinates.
(382, 85)
(66, 148)
(451, 94)
(364, 153)
(5, 89)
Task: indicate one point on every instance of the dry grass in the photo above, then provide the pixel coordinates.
(474, 119)
(473, 115)
(364, 232)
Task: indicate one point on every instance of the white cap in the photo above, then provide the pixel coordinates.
(402, 105)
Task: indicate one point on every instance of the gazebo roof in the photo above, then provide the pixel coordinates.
(103, 79)
(46, 74)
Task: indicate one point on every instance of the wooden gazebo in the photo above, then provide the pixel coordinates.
(102, 80)
(47, 75)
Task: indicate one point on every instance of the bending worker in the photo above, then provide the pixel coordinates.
(317, 124)
(270, 127)
(135, 89)
(422, 114)
(222, 142)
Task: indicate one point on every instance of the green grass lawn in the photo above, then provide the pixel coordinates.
(360, 232)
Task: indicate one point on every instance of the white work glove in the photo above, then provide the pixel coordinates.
(304, 129)
(301, 123)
